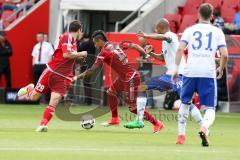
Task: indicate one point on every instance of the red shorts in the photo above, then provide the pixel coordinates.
(130, 88)
(51, 82)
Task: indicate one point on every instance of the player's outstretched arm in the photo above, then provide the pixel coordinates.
(155, 36)
(74, 55)
(150, 52)
(156, 56)
(223, 61)
(137, 48)
(179, 54)
(86, 73)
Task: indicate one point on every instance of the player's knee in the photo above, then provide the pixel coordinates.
(55, 99)
(142, 88)
(35, 96)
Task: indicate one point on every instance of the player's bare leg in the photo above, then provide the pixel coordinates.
(49, 111)
(142, 88)
(28, 93)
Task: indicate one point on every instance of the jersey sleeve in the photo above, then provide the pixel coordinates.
(100, 59)
(170, 37)
(221, 40)
(185, 36)
(65, 46)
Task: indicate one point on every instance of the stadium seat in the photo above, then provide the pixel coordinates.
(228, 14)
(190, 10)
(214, 3)
(228, 19)
(5, 15)
(8, 1)
(187, 21)
(231, 3)
(20, 14)
(174, 20)
(193, 3)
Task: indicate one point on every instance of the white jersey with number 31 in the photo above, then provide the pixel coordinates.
(203, 41)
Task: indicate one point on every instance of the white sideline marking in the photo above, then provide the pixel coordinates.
(111, 150)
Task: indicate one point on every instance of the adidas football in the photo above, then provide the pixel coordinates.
(88, 124)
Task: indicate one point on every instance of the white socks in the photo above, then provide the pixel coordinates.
(182, 118)
(208, 118)
(195, 113)
(141, 104)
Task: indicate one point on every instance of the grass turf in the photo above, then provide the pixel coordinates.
(68, 141)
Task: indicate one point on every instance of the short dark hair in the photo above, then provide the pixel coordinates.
(42, 33)
(75, 26)
(99, 34)
(206, 11)
(217, 12)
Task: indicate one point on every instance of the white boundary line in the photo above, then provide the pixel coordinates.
(115, 150)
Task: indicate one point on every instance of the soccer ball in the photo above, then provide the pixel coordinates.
(88, 124)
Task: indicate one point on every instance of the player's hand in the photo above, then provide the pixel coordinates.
(80, 76)
(125, 44)
(141, 34)
(83, 54)
(219, 73)
(149, 49)
(175, 76)
(74, 79)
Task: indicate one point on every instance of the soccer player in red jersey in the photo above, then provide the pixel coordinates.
(58, 75)
(126, 81)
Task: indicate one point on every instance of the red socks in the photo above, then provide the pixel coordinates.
(113, 104)
(150, 118)
(47, 115)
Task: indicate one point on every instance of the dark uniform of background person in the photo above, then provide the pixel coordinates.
(5, 54)
(85, 44)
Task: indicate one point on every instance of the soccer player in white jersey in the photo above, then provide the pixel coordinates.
(202, 40)
(164, 82)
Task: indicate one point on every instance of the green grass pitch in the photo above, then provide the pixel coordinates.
(68, 141)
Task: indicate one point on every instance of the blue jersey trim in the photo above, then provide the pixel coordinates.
(222, 46)
(186, 42)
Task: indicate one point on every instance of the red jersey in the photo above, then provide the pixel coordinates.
(115, 57)
(60, 64)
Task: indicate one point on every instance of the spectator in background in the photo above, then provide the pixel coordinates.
(5, 54)
(17, 5)
(236, 21)
(233, 28)
(218, 20)
(85, 44)
(47, 40)
(42, 54)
